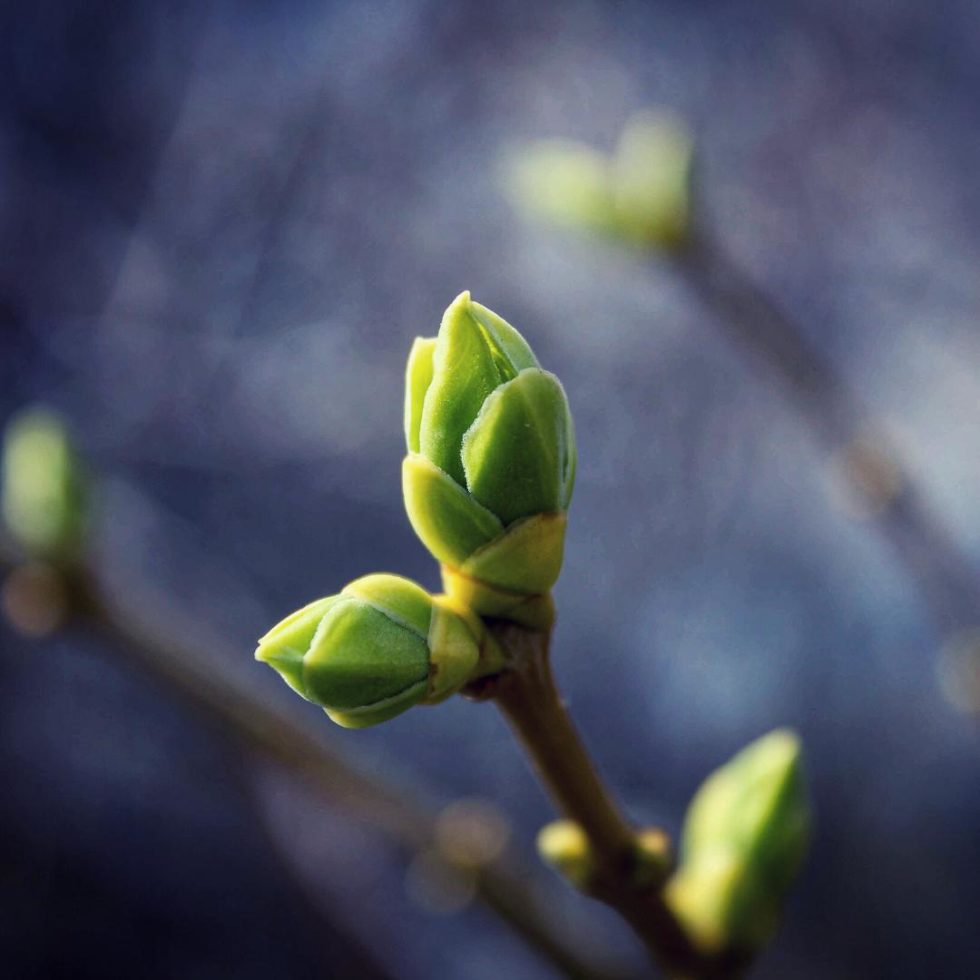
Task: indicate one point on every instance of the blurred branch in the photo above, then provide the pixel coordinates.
(151, 644)
(873, 470)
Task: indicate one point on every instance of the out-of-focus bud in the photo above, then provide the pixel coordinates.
(745, 836)
(639, 194)
(651, 173)
(654, 856)
(562, 182)
(564, 845)
(378, 648)
(490, 465)
(43, 486)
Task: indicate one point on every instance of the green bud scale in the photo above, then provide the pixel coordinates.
(381, 646)
(745, 836)
(490, 465)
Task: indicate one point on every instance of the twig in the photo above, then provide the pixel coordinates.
(528, 697)
(219, 698)
(876, 473)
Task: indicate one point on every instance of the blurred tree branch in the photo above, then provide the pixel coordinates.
(873, 469)
(47, 598)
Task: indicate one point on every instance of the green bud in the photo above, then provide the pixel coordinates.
(640, 194)
(378, 648)
(43, 486)
(563, 183)
(651, 180)
(744, 839)
(564, 845)
(491, 457)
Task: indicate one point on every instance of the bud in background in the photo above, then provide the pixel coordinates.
(651, 173)
(639, 194)
(745, 836)
(43, 486)
(563, 183)
(378, 648)
(490, 465)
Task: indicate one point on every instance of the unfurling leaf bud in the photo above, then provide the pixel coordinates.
(43, 486)
(490, 465)
(378, 648)
(745, 836)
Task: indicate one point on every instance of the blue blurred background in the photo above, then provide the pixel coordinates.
(222, 225)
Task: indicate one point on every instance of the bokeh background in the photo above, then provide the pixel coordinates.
(222, 225)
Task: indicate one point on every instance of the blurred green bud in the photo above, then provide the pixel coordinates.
(563, 183)
(744, 839)
(491, 463)
(651, 180)
(43, 486)
(564, 845)
(378, 648)
(639, 194)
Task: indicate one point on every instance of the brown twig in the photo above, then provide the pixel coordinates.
(528, 697)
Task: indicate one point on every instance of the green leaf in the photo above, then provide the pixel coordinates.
(450, 523)
(516, 454)
(360, 658)
(418, 377)
(466, 369)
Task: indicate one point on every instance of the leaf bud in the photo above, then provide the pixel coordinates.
(744, 839)
(491, 463)
(380, 646)
(43, 486)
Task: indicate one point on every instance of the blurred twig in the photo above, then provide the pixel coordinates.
(873, 470)
(152, 644)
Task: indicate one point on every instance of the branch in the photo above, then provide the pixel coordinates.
(220, 699)
(528, 698)
(875, 473)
